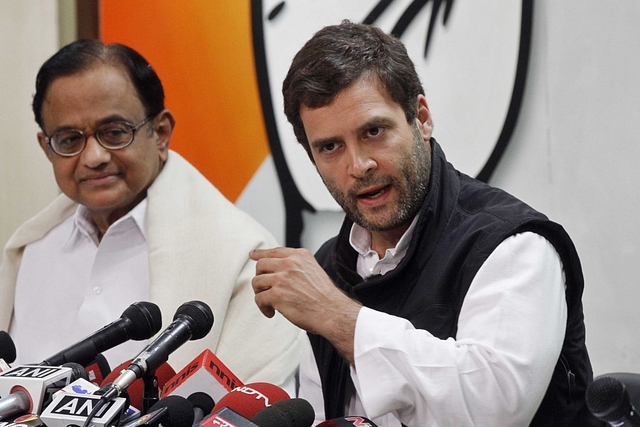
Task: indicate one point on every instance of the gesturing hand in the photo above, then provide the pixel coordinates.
(292, 282)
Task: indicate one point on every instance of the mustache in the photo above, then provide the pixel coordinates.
(369, 181)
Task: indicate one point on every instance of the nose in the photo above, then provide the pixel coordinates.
(94, 154)
(360, 162)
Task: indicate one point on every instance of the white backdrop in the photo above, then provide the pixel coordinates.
(574, 154)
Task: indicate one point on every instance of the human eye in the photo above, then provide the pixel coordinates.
(114, 133)
(373, 132)
(67, 141)
(328, 147)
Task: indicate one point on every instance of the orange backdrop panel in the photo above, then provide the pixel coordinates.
(202, 50)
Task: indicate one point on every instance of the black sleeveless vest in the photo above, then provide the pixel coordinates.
(462, 221)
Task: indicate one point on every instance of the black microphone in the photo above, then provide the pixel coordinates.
(608, 399)
(294, 412)
(180, 410)
(140, 321)
(7, 348)
(192, 321)
(29, 388)
(202, 405)
(77, 371)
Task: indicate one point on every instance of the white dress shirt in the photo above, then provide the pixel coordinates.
(83, 283)
(495, 373)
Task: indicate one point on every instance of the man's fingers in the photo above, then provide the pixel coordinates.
(279, 252)
(263, 302)
(260, 284)
(258, 254)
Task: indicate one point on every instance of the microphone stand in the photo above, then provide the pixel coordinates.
(150, 393)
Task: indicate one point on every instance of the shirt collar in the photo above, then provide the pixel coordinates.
(85, 228)
(360, 240)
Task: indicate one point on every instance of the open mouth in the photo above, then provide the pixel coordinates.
(372, 195)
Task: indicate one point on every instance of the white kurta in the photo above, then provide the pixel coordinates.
(198, 250)
(495, 372)
(91, 285)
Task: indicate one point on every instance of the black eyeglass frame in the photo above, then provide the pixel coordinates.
(85, 136)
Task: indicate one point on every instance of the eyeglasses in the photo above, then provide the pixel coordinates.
(112, 136)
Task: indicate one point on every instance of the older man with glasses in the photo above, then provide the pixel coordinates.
(135, 222)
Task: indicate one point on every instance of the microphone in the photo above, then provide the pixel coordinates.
(294, 412)
(98, 369)
(77, 371)
(351, 421)
(28, 388)
(206, 373)
(136, 390)
(608, 399)
(140, 321)
(7, 348)
(74, 409)
(251, 398)
(82, 386)
(193, 320)
(155, 418)
(202, 405)
(28, 420)
(179, 409)
(226, 417)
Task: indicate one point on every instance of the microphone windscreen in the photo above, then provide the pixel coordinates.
(201, 315)
(77, 371)
(250, 399)
(201, 400)
(180, 410)
(136, 390)
(7, 348)
(146, 320)
(294, 412)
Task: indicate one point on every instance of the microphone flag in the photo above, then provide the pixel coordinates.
(206, 373)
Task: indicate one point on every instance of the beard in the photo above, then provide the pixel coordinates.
(411, 182)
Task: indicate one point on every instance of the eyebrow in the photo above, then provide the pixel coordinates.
(317, 143)
(109, 119)
(375, 121)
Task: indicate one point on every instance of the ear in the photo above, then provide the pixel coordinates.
(423, 118)
(42, 140)
(163, 128)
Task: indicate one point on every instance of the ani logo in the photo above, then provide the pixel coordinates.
(472, 57)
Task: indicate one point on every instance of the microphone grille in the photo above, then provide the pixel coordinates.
(77, 371)
(607, 398)
(286, 413)
(7, 348)
(146, 320)
(200, 314)
(201, 400)
(179, 408)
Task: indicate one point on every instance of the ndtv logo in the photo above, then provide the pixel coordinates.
(31, 372)
(252, 392)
